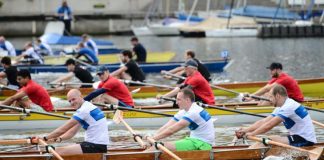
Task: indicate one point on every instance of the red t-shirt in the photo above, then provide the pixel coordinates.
(291, 86)
(38, 95)
(117, 89)
(200, 87)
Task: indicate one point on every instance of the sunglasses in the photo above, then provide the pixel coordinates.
(100, 74)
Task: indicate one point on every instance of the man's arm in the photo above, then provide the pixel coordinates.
(119, 71)
(171, 130)
(168, 124)
(265, 127)
(171, 93)
(3, 75)
(95, 94)
(264, 89)
(13, 98)
(257, 124)
(64, 78)
(63, 129)
(71, 132)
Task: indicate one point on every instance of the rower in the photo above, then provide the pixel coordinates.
(111, 90)
(196, 82)
(7, 46)
(87, 53)
(180, 71)
(202, 132)
(292, 114)
(129, 71)
(43, 48)
(279, 77)
(90, 118)
(30, 56)
(9, 72)
(89, 43)
(138, 50)
(75, 70)
(35, 92)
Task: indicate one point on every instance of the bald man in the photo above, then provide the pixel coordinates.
(90, 118)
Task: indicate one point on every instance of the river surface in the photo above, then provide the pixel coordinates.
(301, 58)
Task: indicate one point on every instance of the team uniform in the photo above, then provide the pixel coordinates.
(93, 120)
(140, 52)
(66, 18)
(83, 75)
(11, 73)
(291, 86)
(202, 132)
(298, 122)
(135, 71)
(7, 46)
(89, 55)
(34, 56)
(201, 69)
(38, 95)
(44, 49)
(200, 87)
(92, 45)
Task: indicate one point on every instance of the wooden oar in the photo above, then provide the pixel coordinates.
(161, 147)
(15, 141)
(31, 111)
(221, 88)
(314, 154)
(71, 83)
(118, 117)
(145, 84)
(50, 149)
(114, 107)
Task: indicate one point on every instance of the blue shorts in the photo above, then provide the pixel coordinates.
(298, 141)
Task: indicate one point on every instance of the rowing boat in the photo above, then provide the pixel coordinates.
(20, 120)
(217, 153)
(212, 65)
(310, 87)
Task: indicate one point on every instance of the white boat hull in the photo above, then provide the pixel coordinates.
(142, 31)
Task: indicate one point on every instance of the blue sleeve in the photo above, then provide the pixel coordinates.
(94, 94)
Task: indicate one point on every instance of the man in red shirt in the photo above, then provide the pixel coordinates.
(35, 92)
(196, 82)
(279, 77)
(116, 91)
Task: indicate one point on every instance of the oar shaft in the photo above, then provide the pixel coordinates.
(280, 144)
(146, 84)
(51, 150)
(15, 141)
(138, 139)
(173, 75)
(314, 109)
(70, 83)
(166, 150)
(318, 123)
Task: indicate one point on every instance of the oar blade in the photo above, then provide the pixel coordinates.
(118, 115)
(316, 153)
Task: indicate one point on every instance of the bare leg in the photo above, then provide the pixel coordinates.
(265, 103)
(169, 145)
(105, 98)
(274, 138)
(69, 150)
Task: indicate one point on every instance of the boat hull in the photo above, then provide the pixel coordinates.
(11, 120)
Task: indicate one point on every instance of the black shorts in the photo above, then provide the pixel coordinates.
(88, 147)
(298, 141)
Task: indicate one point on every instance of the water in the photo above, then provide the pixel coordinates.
(301, 58)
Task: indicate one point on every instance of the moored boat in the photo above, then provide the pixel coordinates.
(20, 120)
(217, 153)
(313, 87)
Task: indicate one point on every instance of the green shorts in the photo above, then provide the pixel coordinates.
(189, 144)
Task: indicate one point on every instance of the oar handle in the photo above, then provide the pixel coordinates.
(161, 147)
(168, 99)
(146, 84)
(318, 123)
(173, 75)
(51, 150)
(138, 139)
(257, 97)
(278, 144)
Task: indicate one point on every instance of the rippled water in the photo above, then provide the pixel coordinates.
(302, 58)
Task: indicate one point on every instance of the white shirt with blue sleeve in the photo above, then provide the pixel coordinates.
(201, 125)
(296, 119)
(93, 120)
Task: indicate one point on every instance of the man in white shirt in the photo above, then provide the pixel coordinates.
(7, 46)
(30, 56)
(43, 48)
(292, 114)
(197, 119)
(90, 118)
